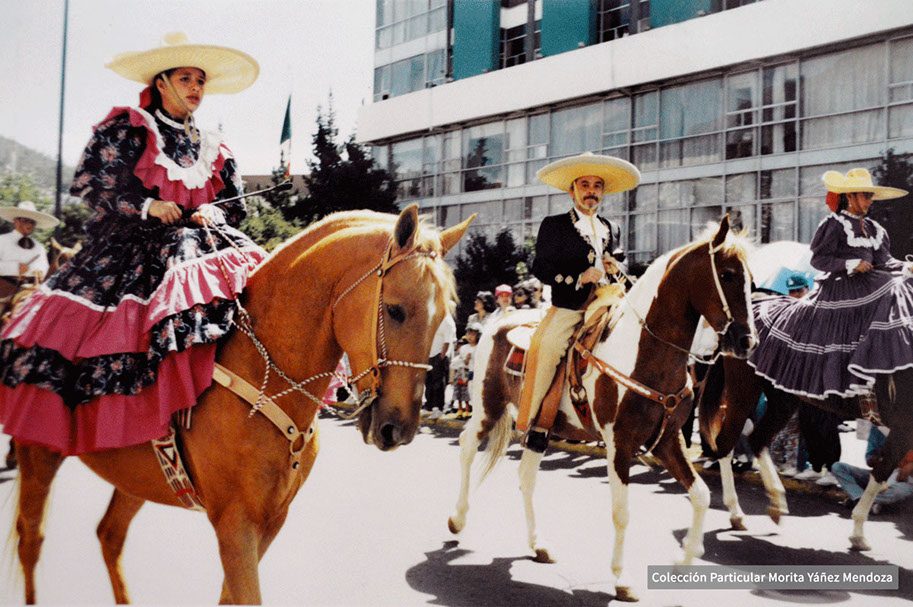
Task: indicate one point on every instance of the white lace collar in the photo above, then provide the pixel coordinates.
(171, 121)
(868, 242)
(601, 231)
(199, 173)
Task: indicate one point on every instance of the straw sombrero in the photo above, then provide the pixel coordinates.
(227, 70)
(26, 209)
(859, 180)
(619, 175)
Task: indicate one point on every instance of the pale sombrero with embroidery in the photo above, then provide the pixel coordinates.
(227, 70)
(619, 175)
(27, 210)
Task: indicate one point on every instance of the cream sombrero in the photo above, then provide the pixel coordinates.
(227, 70)
(26, 209)
(619, 175)
(859, 180)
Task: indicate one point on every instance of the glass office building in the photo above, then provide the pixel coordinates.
(724, 106)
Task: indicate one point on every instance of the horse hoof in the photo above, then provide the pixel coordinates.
(737, 523)
(625, 594)
(542, 556)
(453, 526)
(774, 514)
(858, 543)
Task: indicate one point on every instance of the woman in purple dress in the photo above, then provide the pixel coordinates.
(124, 335)
(859, 322)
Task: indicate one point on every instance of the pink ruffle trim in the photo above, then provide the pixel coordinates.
(76, 330)
(36, 416)
(156, 176)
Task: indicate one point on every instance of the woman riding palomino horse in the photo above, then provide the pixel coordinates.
(124, 336)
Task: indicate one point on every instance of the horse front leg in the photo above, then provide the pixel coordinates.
(730, 497)
(861, 514)
(112, 533)
(37, 468)
(671, 450)
(618, 464)
(776, 494)
(469, 446)
(529, 470)
(239, 542)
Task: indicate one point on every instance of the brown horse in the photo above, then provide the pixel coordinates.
(654, 326)
(731, 395)
(350, 276)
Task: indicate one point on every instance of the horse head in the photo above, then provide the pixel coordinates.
(387, 322)
(718, 284)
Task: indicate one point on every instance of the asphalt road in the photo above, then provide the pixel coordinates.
(369, 528)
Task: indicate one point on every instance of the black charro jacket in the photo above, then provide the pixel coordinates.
(563, 254)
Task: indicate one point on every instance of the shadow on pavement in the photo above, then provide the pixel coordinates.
(748, 550)
(483, 585)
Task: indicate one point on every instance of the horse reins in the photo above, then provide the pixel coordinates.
(669, 402)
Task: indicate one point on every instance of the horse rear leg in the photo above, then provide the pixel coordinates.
(470, 440)
(776, 494)
(112, 532)
(861, 513)
(37, 467)
(730, 497)
(671, 450)
(618, 464)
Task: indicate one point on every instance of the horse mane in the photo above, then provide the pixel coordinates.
(365, 224)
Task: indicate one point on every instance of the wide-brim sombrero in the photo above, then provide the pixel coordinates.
(619, 175)
(26, 209)
(227, 70)
(859, 180)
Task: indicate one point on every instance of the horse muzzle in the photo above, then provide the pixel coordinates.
(384, 427)
(739, 341)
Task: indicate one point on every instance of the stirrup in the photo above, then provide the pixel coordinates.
(536, 439)
(868, 408)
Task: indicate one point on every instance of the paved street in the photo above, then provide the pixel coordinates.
(369, 528)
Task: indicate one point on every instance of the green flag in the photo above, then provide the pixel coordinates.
(285, 141)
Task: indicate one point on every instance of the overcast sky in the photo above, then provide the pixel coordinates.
(305, 48)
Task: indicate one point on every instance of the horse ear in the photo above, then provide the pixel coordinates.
(76, 248)
(406, 228)
(721, 232)
(55, 245)
(451, 236)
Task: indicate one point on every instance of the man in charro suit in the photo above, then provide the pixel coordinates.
(575, 251)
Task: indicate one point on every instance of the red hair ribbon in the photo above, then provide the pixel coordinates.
(832, 199)
(145, 97)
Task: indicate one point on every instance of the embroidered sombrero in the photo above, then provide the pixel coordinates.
(619, 175)
(227, 70)
(26, 209)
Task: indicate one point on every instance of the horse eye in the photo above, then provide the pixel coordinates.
(396, 313)
(728, 275)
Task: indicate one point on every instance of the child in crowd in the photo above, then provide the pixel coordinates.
(461, 368)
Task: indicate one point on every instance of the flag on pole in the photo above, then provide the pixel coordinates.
(285, 141)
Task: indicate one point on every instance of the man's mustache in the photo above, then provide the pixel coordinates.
(591, 198)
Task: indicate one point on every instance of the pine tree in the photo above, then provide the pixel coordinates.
(341, 177)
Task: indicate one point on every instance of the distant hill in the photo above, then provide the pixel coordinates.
(17, 158)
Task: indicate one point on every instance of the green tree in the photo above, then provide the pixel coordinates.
(341, 178)
(266, 225)
(484, 264)
(896, 170)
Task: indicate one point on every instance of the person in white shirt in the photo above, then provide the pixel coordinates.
(461, 369)
(436, 379)
(21, 255)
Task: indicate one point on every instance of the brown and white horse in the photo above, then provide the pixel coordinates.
(372, 285)
(653, 328)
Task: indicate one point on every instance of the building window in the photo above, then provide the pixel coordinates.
(576, 130)
(513, 45)
(645, 131)
(843, 97)
(779, 95)
(613, 19)
(407, 75)
(381, 83)
(900, 89)
(406, 159)
(741, 115)
(537, 145)
(689, 124)
(400, 21)
(616, 126)
(483, 158)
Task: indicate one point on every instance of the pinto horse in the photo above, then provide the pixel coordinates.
(653, 328)
(731, 395)
(350, 276)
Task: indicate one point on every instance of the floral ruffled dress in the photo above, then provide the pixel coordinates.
(124, 335)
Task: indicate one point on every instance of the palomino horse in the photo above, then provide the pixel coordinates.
(348, 277)
(648, 347)
(731, 395)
